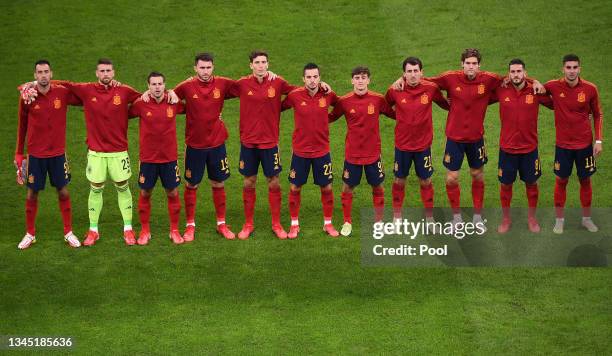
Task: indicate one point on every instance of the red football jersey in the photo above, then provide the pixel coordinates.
(204, 103)
(518, 112)
(573, 107)
(413, 128)
(42, 123)
(157, 129)
(106, 114)
(260, 106)
(468, 103)
(362, 112)
(311, 124)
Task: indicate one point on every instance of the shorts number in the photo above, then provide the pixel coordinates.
(276, 159)
(224, 164)
(380, 167)
(177, 172)
(538, 166)
(126, 163)
(66, 170)
(427, 160)
(482, 153)
(327, 169)
(589, 162)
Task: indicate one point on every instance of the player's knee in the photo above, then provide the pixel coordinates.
(273, 182)
(193, 186)
(146, 192)
(295, 188)
(477, 174)
(346, 188)
(250, 182)
(452, 178)
(400, 181)
(122, 186)
(425, 182)
(172, 192)
(63, 193)
(31, 194)
(326, 188)
(216, 184)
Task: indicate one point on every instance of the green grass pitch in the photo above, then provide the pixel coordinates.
(311, 295)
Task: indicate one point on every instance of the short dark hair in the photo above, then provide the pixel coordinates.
(204, 57)
(470, 52)
(42, 61)
(516, 61)
(256, 53)
(412, 60)
(360, 70)
(571, 58)
(105, 61)
(311, 66)
(155, 74)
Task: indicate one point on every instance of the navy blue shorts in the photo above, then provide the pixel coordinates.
(421, 159)
(38, 168)
(475, 152)
(167, 172)
(583, 158)
(375, 173)
(251, 157)
(528, 165)
(213, 159)
(321, 170)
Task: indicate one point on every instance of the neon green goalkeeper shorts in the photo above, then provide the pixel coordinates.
(101, 165)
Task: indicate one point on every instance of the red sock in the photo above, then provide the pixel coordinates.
(505, 197)
(294, 204)
(275, 200)
(66, 210)
(477, 195)
(144, 211)
(397, 194)
(174, 211)
(560, 195)
(378, 200)
(453, 191)
(347, 206)
(219, 200)
(327, 199)
(31, 210)
(532, 198)
(427, 197)
(248, 198)
(586, 196)
(190, 197)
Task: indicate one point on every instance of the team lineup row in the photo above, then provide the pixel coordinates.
(263, 95)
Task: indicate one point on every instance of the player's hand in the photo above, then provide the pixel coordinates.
(505, 82)
(18, 161)
(172, 97)
(538, 88)
(114, 83)
(597, 148)
(145, 96)
(398, 85)
(326, 88)
(272, 75)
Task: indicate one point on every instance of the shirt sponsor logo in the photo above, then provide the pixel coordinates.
(322, 103)
(529, 99)
(371, 109)
(481, 89)
(57, 103)
(116, 100)
(424, 99)
(581, 97)
(271, 92)
(216, 93)
(170, 113)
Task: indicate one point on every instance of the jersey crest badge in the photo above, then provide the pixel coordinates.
(292, 174)
(216, 93)
(500, 172)
(169, 113)
(322, 103)
(303, 103)
(116, 100)
(30, 179)
(149, 114)
(250, 93)
(141, 179)
(370, 109)
(396, 167)
(241, 164)
(481, 89)
(424, 99)
(529, 99)
(346, 174)
(557, 166)
(581, 97)
(188, 173)
(507, 99)
(271, 92)
(447, 158)
(57, 103)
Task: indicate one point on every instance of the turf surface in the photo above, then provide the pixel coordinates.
(310, 295)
